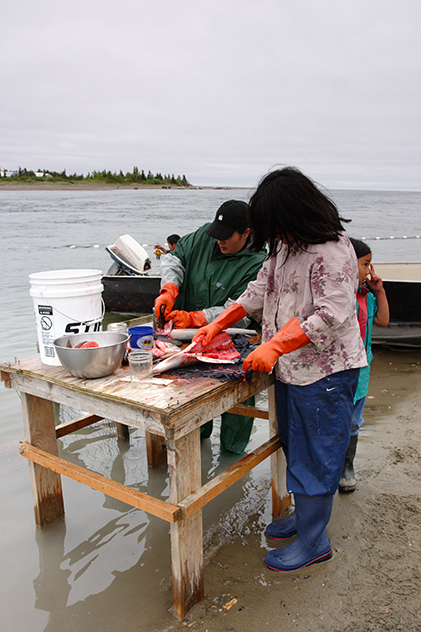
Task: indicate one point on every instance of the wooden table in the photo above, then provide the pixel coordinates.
(170, 415)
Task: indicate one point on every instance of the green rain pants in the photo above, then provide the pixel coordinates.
(235, 430)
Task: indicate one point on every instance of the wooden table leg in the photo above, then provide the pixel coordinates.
(186, 534)
(40, 431)
(155, 449)
(280, 497)
(123, 432)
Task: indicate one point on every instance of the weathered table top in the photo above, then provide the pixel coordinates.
(176, 408)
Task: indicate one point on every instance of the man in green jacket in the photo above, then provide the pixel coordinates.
(207, 271)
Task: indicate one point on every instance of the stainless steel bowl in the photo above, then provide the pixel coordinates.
(92, 362)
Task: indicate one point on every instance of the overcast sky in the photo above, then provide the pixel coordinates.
(219, 90)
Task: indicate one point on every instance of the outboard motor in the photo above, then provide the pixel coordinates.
(129, 257)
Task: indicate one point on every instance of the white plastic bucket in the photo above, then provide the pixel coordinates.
(65, 302)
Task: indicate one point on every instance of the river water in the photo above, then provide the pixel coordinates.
(107, 566)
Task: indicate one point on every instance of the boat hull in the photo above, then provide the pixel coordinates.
(404, 299)
(130, 294)
(396, 335)
(402, 282)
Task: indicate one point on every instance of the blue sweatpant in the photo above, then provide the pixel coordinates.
(314, 424)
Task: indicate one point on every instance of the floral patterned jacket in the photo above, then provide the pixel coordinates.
(318, 287)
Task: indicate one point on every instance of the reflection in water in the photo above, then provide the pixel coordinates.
(51, 587)
(113, 568)
(92, 562)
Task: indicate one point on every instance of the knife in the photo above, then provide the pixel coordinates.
(160, 323)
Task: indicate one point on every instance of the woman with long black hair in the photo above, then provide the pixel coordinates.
(304, 296)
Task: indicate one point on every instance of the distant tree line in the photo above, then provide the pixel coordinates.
(106, 177)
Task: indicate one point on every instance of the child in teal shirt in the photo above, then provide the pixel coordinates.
(372, 307)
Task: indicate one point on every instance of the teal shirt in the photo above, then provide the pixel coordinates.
(362, 387)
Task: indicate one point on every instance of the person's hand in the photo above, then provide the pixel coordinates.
(207, 333)
(289, 338)
(186, 320)
(167, 296)
(263, 358)
(374, 283)
(229, 317)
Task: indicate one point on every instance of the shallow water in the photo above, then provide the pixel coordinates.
(108, 565)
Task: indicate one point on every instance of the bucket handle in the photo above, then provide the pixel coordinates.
(83, 322)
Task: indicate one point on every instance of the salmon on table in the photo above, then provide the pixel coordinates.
(220, 350)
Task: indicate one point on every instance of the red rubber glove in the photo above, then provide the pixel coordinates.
(167, 296)
(229, 316)
(289, 338)
(186, 320)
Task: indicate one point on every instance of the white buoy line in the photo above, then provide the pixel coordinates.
(362, 238)
(391, 237)
(88, 246)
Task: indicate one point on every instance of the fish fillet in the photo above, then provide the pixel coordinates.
(220, 350)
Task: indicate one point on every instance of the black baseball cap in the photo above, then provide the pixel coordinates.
(230, 217)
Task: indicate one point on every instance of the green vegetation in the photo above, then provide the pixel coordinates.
(98, 177)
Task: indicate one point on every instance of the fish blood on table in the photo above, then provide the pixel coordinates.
(220, 350)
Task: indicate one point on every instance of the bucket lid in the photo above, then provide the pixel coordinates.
(61, 277)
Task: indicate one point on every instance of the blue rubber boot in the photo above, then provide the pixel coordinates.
(312, 544)
(282, 529)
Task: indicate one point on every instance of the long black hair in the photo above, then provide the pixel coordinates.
(288, 205)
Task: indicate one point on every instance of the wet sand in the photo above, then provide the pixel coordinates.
(373, 580)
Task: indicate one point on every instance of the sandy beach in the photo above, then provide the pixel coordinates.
(373, 580)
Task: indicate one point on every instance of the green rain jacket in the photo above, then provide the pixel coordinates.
(206, 277)
(208, 280)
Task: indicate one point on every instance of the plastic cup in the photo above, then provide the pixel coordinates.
(123, 328)
(118, 327)
(140, 363)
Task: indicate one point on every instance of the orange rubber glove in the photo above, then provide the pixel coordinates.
(229, 317)
(289, 338)
(186, 320)
(167, 296)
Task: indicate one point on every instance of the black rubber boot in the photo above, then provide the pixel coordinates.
(348, 483)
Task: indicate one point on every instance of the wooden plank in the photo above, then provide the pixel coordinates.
(141, 320)
(155, 449)
(280, 497)
(249, 411)
(5, 377)
(91, 402)
(197, 410)
(40, 431)
(184, 464)
(76, 424)
(123, 432)
(219, 484)
(133, 497)
(172, 411)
